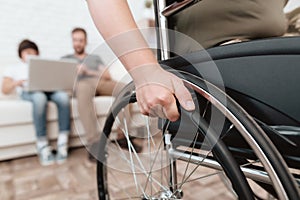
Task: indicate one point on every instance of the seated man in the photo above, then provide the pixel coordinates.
(88, 85)
(90, 68)
(16, 78)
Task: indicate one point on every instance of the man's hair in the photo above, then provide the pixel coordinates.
(78, 29)
(27, 44)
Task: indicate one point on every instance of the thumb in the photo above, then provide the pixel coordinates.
(184, 97)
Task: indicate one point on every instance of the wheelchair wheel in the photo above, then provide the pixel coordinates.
(175, 163)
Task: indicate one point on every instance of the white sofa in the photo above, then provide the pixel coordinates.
(17, 134)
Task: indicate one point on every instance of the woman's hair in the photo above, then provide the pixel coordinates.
(27, 44)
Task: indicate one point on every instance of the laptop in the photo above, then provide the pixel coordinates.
(51, 75)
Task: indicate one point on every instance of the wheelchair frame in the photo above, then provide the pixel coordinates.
(275, 170)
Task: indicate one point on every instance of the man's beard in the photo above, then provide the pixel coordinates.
(79, 51)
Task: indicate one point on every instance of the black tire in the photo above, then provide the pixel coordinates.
(216, 151)
(283, 185)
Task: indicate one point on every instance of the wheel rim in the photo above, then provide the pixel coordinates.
(165, 193)
(150, 181)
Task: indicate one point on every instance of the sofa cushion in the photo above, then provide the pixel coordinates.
(17, 135)
(20, 112)
(15, 112)
(102, 105)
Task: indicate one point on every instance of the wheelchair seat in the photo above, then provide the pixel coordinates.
(261, 75)
(271, 46)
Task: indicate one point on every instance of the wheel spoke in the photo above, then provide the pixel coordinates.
(150, 177)
(155, 157)
(184, 179)
(201, 177)
(130, 147)
(141, 167)
(205, 110)
(188, 163)
(197, 166)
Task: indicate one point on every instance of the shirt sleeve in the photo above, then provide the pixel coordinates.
(100, 62)
(9, 73)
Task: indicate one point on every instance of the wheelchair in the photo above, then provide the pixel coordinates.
(244, 133)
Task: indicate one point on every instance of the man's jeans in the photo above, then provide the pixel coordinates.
(39, 101)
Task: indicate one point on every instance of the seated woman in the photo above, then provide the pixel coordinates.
(213, 22)
(209, 22)
(16, 78)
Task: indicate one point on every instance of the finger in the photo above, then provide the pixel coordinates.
(157, 111)
(170, 109)
(184, 96)
(144, 109)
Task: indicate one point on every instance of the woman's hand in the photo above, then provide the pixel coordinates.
(156, 90)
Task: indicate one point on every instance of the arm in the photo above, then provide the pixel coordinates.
(122, 35)
(104, 74)
(120, 21)
(101, 72)
(9, 85)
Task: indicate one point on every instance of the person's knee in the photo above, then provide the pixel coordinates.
(85, 90)
(39, 100)
(63, 99)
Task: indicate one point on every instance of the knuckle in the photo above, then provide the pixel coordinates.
(151, 104)
(144, 111)
(165, 98)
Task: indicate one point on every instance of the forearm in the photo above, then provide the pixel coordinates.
(8, 86)
(120, 31)
(92, 73)
(154, 86)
